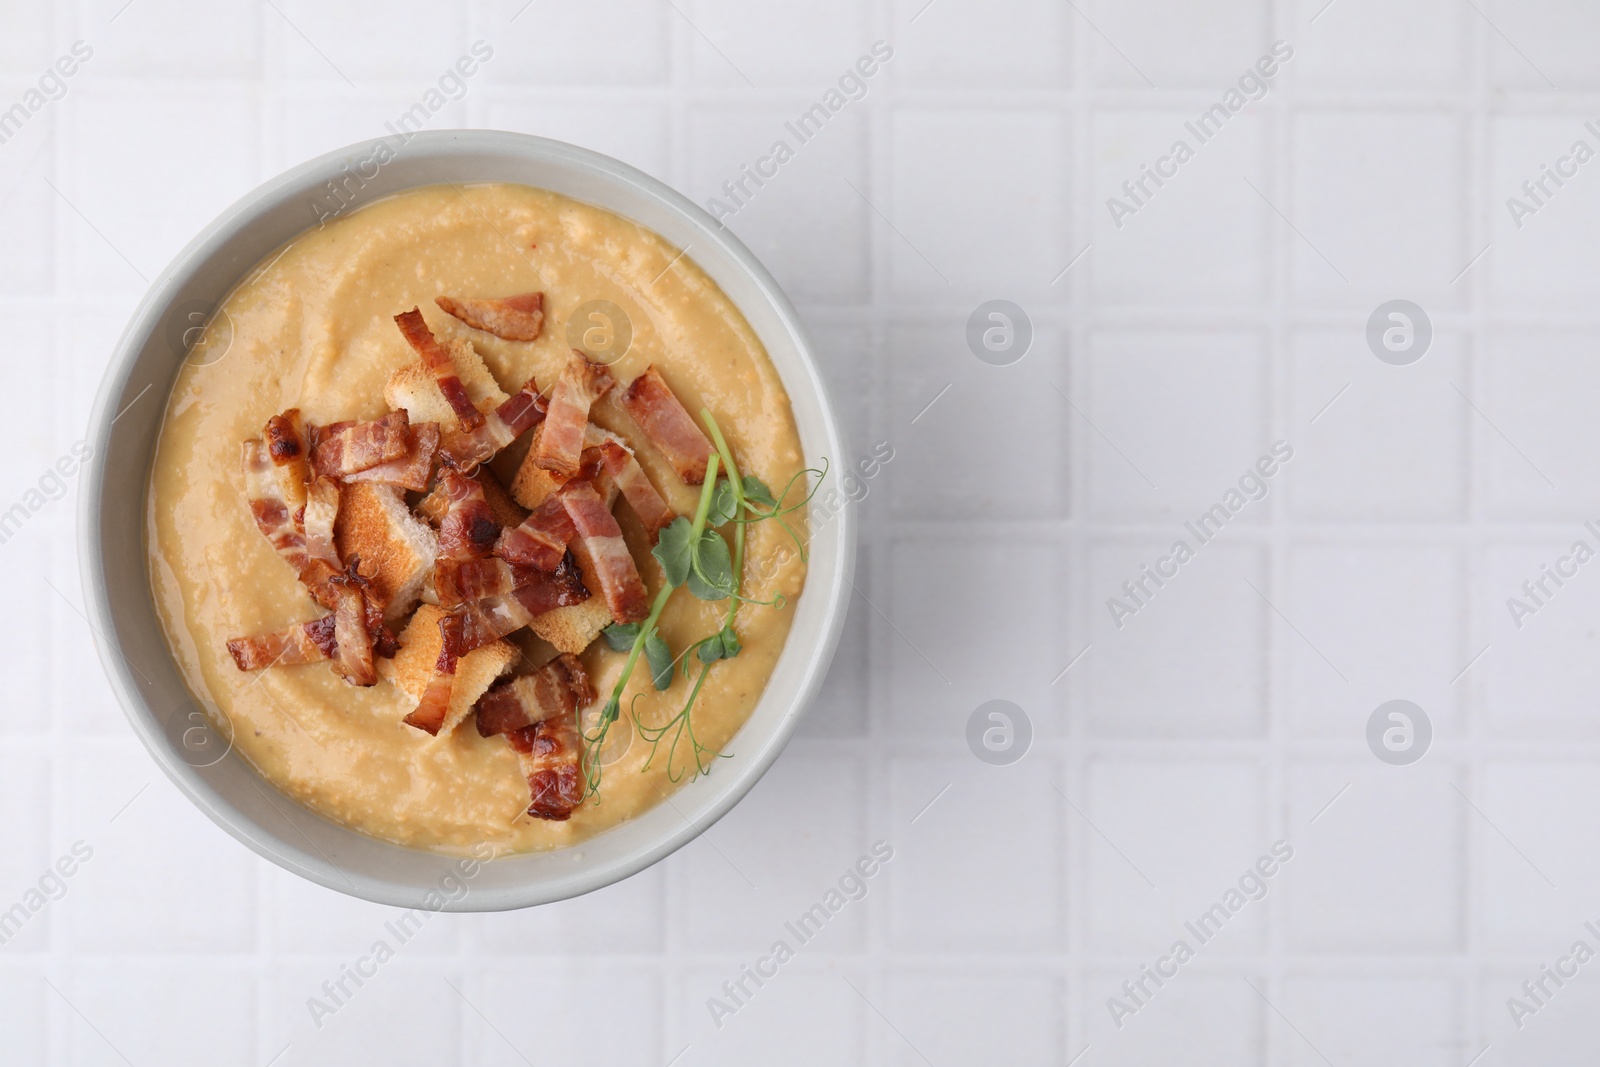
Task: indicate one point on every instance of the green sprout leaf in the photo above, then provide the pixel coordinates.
(621, 635)
(660, 657)
(711, 576)
(672, 551)
(757, 492)
(724, 505)
(724, 644)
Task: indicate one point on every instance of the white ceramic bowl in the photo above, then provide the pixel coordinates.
(134, 651)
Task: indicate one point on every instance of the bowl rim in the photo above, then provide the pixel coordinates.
(160, 298)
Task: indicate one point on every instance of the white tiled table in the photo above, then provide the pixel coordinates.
(1226, 314)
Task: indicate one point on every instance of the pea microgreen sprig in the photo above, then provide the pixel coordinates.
(693, 554)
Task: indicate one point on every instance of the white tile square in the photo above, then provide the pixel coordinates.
(1175, 421)
(778, 854)
(28, 212)
(158, 850)
(1201, 235)
(1006, 1017)
(809, 43)
(954, 421)
(962, 216)
(1191, 661)
(1205, 1019)
(1149, 42)
(578, 42)
(626, 917)
(946, 653)
(1005, 43)
(1177, 839)
(1389, 619)
(1563, 1026)
(1375, 442)
(1524, 915)
(28, 875)
(1382, 1020)
(1538, 436)
(26, 641)
(996, 892)
(1363, 45)
(148, 1012)
(307, 123)
(212, 41)
(1537, 46)
(24, 1014)
(1382, 870)
(404, 1013)
(413, 43)
(26, 48)
(1540, 222)
(149, 205)
(576, 1020)
(778, 1023)
(804, 220)
(632, 131)
(1540, 674)
(1380, 199)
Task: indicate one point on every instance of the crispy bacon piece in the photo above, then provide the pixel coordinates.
(353, 658)
(468, 530)
(348, 447)
(560, 687)
(434, 707)
(532, 592)
(560, 444)
(268, 507)
(516, 415)
(306, 642)
(438, 362)
(459, 581)
(541, 541)
(651, 403)
(549, 753)
(515, 318)
(412, 470)
(623, 469)
(288, 446)
(600, 536)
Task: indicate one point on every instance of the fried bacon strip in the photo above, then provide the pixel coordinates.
(434, 707)
(558, 688)
(286, 439)
(533, 592)
(623, 469)
(549, 753)
(468, 530)
(345, 448)
(353, 658)
(271, 511)
(412, 470)
(560, 446)
(437, 360)
(600, 536)
(541, 541)
(306, 642)
(516, 415)
(515, 318)
(651, 403)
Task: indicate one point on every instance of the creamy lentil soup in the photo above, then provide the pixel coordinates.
(313, 331)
